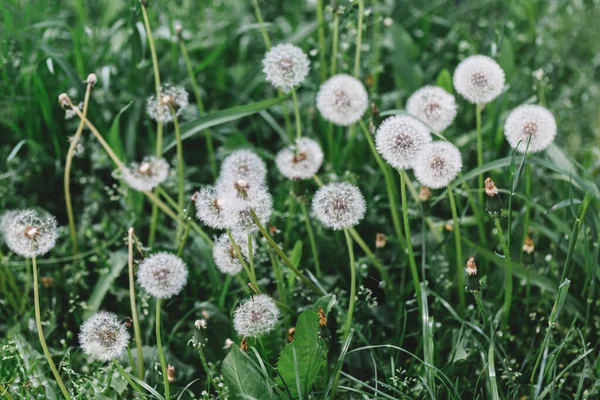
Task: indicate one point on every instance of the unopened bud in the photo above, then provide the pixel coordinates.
(244, 345)
(493, 203)
(322, 317)
(64, 100)
(473, 283)
(91, 79)
(228, 343)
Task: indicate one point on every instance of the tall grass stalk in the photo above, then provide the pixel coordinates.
(180, 171)
(132, 303)
(352, 299)
(411, 256)
(508, 285)
(478, 108)
(321, 40)
(161, 353)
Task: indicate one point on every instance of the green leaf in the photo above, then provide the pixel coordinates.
(114, 135)
(327, 302)
(117, 262)
(561, 297)
(405, 59)
(300, 361)
(243, 377)
(507, 58)
(444, 80)
(191, 128)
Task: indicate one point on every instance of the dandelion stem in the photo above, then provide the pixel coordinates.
(134, 314)
(240, 258)
(411, 256)
(161, 353)
(180, 170)
(68, 163)
(283, 257)
(527, 204)
(478, 108)
(311, 238)
(348, 324)
(251, 259)
(297, 114)
(125, 375)
(509, 275)
(361, 9)
(460, 278)
(38, 324)
(376, 46)
(335, 35)
(209, 375)
(280, 283)
(261, 23)
(321, 36)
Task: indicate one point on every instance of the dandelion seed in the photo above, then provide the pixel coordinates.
(103, 337)
(209, 207)
(147, 175)
(400, 138)
(339, 205)
(479, 79)
(28, 234)
(434, 106)
(256, 316)
(300, 161)
(531, 123)
(285, 66)
(438, 164)
(243, 164)
(162, 275)
(342, 100)
(225, 255)
(170, 96)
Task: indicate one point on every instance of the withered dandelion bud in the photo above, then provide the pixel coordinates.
(92, 79)
(291, 333)
(47, 281)
(448, 227)
(171, 373)
(244, 345)
(424, 193)
(322, 317)
(528, 246)
(493, 203)
(380, 240)
(473, 284)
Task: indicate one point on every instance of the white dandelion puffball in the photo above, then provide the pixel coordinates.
(479, 79)
(285, 66)
(300, 161)
(225, 255)
(438, 164)
(243, 164)
(530, 121)
(342, 100)
(239, 203)
(434, 106)
(29, 235)
(400, 138)
(163, 275)
(170, 97)
(339, 205)
(147, 175)
(103, 337)
(256, 316)
(6, 219)
(209, 207)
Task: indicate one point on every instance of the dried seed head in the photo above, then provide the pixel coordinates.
(209, 207)
(471, 267)
(285, 66)
(434, 106)
(256, 316)
(322, 317)
(225, 255)
(528, 245)
(342, 100)
(380, 240)
(6, 219)
(239, 203)
(424, 193)
(171, 373)
(28, 234)
(147, 175)
(300, 161)
(243, 164)
(438, 164)
(339, 205)
(170, 96)
(530, 123)
(479, 79)
(400, 138)
(92, 79)
(162, 275)
(103, 337)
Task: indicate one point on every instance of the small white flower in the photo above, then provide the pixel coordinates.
(285, 66)
(162, 275)
(147, 175)
(225, 256)
(103, 337)
(342, 100)
(339, 205)
(530, 121)
(300, 161)
(209, 207)
(434, 106)
(243, 164)
(479, 79)
(438, 164)
(400, 138)
(170, 96)
(28, 234)
(256, 316)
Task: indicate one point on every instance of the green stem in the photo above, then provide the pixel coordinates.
(206, 369)
(279, 281)
(134, 314)
(186, 233)
(180, 171)
(115, 159)
(38, 324)
(321, 35)
(311, 238)
(348, 324)
(361, 9)
(460, 278)
(411, 256)
(376, 46)
(161, 353)
(335, 35)
(297, 114)
(527, 216)
(509, 274)
(240, 258)
(251, 259)
(125, 375)
(261, 23)
(4, 392)
(477, 296)
(478, 108)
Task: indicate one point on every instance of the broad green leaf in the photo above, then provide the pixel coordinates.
(243, 377)
(117, 261)
(300, 361)
(444, 80)
(114, 135)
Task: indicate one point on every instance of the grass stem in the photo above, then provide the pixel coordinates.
(134, 313)
(161, 353)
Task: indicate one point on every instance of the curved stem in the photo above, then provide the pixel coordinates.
(460, 278)
(311, 238)
(4, 392)
(38, 324)
(508, 272)
(180, 171)
(348, 324)
(411, 256)
(134, 314)
(161, 353)
(125, 375)
(478, 108)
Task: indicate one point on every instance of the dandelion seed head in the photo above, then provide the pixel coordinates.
(400, 138)
(28, 234)
(238, 204)
(301, 160)
(438, 164)
(479, 79)
(434, 106)
(162, 275)
(103, 337)
(339, 205)
(256, 316)
(209, 207)
(530, 121)
(170, 96)
(225, 256)
(147, 175)
(285, 66)
(6, 219)
(243, 164)
(342, 100)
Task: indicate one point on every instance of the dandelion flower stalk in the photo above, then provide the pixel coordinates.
(460, 279)
(161, 353)
(297, 115)
(509, 274)
(261, 23)
(125, 375)
(240, 257)
(411, 256)
(180, 169)
(321, 39)
(348, 324)
(134, 314)
(478, 108)
(311, 238)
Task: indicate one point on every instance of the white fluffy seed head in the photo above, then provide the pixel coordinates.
(209, 207)
(225, 256)
(238, 204)
(342, 100)
(438, 164)
(300, 161)
(285, 66)
(162, 275)
(28, 234)
(339, 205)
(170, 96)
(256, 316)
(400, 138)
(243, 164)
(6, 219)
(103, 337)
(479, 79)
(147, 175)
(530, 121)
(434, 106)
